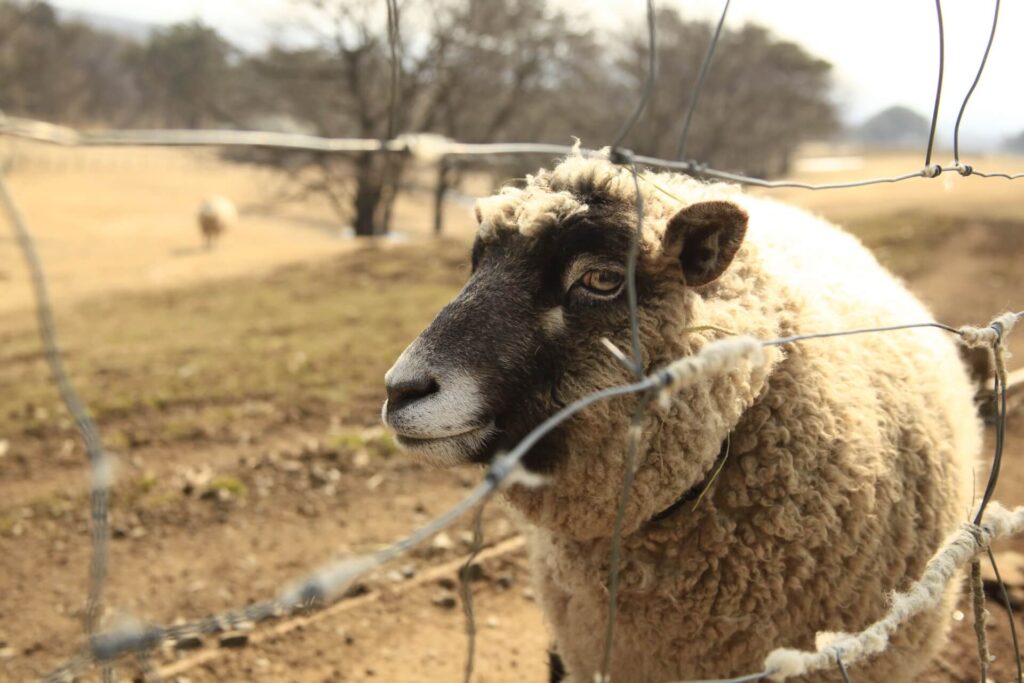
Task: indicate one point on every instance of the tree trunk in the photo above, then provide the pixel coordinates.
(439, 193)
(366, 199)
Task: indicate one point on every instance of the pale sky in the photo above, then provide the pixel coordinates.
(884, 51)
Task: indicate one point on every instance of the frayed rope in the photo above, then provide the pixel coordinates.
(995, 332)
(959, 548)
(981, 616)
(715, 358)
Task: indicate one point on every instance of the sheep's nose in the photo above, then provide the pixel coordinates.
(404, 391)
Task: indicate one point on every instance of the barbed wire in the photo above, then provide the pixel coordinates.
(429, 148)
(330, 581)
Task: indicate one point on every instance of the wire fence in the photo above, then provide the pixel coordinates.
(991, 521)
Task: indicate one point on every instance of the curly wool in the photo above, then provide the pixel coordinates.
(849, 460)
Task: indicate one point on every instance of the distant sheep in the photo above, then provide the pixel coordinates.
(843, 462)
(216, 216)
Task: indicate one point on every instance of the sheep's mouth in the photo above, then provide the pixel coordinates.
(450, 449)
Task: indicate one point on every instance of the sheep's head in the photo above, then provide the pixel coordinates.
(523, 337)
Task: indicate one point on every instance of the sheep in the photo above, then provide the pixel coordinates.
(216, 215)
(771, 502)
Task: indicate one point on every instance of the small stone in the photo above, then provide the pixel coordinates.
(444, 601)
(289, 465)
(361, 459)
(262, 663)
(492, 622)
(528, 594)
(374, 482)
(394, 576)
(188, 643)
(505, 581)
(137, 532)
(447, 583)
(118, 532)
(442, 542)
(408, 571)
(5, 447)
(355, 590)
(234, 640)
(6, 652)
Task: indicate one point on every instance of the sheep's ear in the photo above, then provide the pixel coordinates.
(706, 237)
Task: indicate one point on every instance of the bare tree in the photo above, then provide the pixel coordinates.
(762, 97)
(183, 73)
(62, 71)
(470, 69)
(474, 70)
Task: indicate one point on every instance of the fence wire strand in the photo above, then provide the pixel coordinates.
(970, 91)
(842, 669)
(648, 88)
(695, 95)
(428, 148)
(1008, 604)
(393, 45)
(637, 360)
(99, 465)
(938, 86)
(466, 591)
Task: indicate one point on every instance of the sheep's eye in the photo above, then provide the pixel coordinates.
(602, 282)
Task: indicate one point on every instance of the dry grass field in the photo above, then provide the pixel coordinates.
(240, 388)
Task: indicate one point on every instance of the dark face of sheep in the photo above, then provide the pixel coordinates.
(491, 365)
(522, 338)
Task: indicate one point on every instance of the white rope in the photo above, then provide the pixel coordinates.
(958, 549)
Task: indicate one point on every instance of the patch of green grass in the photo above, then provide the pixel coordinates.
(383, 445)
(231, 484)
(183, 364)
(52, 505)
(146, 483)
(348, 442)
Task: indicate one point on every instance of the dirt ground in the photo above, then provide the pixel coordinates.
(239, 391)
